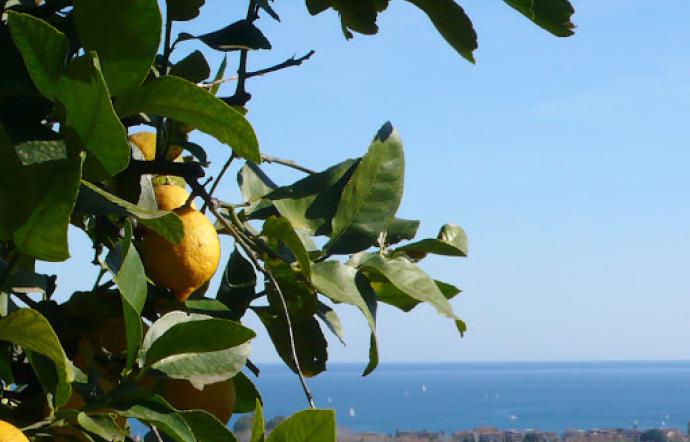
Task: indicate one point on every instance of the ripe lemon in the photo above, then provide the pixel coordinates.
(217, 399)
(146, 142)
(186, 266)
(10, 433)
(170, 196)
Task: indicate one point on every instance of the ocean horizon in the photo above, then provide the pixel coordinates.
(454, 396)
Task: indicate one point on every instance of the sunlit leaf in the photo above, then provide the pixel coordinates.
(306, 426)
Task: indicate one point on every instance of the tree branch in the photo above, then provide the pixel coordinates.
(240, 240)
(214, 186)
(192, 170)
(288, 163)
(290, 62)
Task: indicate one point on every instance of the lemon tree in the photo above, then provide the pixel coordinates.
(149, 341)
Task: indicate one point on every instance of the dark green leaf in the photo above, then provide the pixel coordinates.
(310, 203)
(31, 330)
(311, 346)
(43, 48)
(183, 10)
(371, 198)
(130, 277)
(254, 184)
(40, 151)
(299, 295)
(207, 428)
(94, 200)
(452, 23)
(401, 230)
(280, 229)
(239, 35)
(198, 367)
(246, 394)
(36, 202)
(237, 288)
(258, 424)
(125, 34)
(341, 283)
(90, 116)
(451, 241)
(266, 6)
(133, 402)
(193, 67)
(448, 290)
(329, 317)
(205, 305)
(185, 102)
(6, 374)
(552, 15)
(194, 149)
(306, 426)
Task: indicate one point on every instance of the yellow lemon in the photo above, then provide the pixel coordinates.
(170, 196)
(146, 142)
(217, 399)
(186, 266)
(10, 433)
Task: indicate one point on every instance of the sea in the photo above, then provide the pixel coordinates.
(549, 396)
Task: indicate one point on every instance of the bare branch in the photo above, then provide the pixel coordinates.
(191, 170)
(288, 163)
(214, 186)
(290, 62)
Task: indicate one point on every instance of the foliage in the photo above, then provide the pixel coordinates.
(77, 77)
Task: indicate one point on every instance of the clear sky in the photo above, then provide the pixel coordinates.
(565, 160)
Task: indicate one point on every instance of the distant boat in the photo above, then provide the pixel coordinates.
(330, 400)
(513, 417)
(423, 388)
(352, 412)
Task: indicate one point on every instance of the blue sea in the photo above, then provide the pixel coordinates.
(451, 397)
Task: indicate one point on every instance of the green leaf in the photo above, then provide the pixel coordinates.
(219, 76)
(451, 241)
(43, 48)
(193, 68)
(400, 230)
(136, 403)
(258, 424)
(371, 198)
(409, 279)
(452, 23)
(310, 203)
(94, 200)
(246, 394)
(125, 34)
(242, 34)
(207, 428)
(198, 336)
(448, 290)
(129, 275)
(310, 345)
(36, 203)
(183, 10)
(552, 15)
(40, 151)
(266, 6)
(280, 229)
(329, 317)
(91, 119)
(254, 184)
(306, 426)
(342, 283)
(101, 425)
(200, 366)
(237, 287)
(31, 330)
(183, 101)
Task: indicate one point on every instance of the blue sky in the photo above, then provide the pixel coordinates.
(566, 161)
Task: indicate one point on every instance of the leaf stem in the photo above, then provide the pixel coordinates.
(288, 163)
(214, 186)
(290, 62)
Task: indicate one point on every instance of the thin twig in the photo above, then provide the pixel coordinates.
(288, 163)
(26, 300)
(290, 62)
(190, 170)
(101, 273)
(156, 433)
(209, 85)
(214, 186)
(239, 239)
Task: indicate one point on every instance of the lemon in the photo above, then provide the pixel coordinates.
(146, 142)
(10, 433)
(170, 196)
(186, 266)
